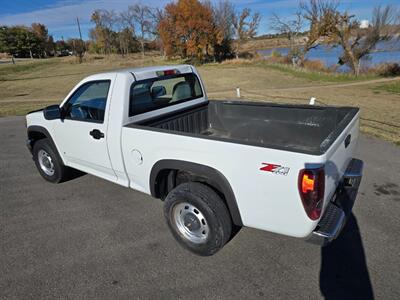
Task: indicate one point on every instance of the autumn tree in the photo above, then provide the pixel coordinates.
(45, 42)
(245, 25)
(357, 42)
(187, 29)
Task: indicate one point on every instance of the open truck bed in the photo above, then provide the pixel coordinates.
(298, 128)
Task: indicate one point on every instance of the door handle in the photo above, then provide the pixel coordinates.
(96, 134)
(347, 141)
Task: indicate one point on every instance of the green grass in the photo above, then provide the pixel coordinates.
(315, 75)
(393, 88)
(34, 84)
(21, 108)
(26, 67)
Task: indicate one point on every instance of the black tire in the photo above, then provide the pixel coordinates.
(210, 205)
(60, 171)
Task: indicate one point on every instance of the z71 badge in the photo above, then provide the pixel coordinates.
(276, 169)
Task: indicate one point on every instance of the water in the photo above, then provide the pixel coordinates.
(384, 52)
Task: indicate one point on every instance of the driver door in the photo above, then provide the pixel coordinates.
(82, 133)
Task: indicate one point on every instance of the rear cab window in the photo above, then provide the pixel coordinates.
(155, 93)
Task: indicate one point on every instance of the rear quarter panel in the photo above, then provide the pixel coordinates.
(266, 200)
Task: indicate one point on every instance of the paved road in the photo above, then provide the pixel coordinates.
(88, 238)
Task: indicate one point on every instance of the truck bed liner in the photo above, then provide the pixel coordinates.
(298, 128)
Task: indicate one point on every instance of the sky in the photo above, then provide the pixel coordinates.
(60, 15)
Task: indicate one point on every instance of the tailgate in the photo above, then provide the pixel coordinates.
(338, 157)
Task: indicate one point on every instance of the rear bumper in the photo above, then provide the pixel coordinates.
(340, 206)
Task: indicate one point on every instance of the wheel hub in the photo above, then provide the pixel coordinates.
(45, 162)
(190, 222)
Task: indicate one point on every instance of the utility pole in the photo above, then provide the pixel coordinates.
(79, 28)
(82, 44)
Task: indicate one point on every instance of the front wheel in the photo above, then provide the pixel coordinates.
(48, 162)
(198, 218)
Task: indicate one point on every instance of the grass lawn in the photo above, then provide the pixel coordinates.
(393, 88)
(319, 76)
(33, 84)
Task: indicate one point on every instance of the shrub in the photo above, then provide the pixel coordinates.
(238, 61)
(386, 69)
(275, 53)
(279, 60)
(314, 65)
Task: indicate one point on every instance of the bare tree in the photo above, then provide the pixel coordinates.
(318, 16)
(292, 29)
(245, 26)
(156, 15)
(103, 33)
(139, 18)
(223, 16)
(128, 20)
(78, 48)
(358, 42)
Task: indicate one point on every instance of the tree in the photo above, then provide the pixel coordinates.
(46, 43)
(19, 41)
(62, 48)
(103, 34)
(127, 42)
(245, 26)
(223, 15)
(139, 18)
(291, 29)
(78, 48)
(187, 29)
(319, 15)
(157, 14)
(358, 42)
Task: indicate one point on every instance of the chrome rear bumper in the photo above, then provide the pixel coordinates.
(339, 208)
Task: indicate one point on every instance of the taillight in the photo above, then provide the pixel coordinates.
(312, 188)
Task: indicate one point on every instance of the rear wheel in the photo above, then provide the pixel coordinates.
(198, 218)
(48, 162)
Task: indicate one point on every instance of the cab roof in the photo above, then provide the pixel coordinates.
(149, 72)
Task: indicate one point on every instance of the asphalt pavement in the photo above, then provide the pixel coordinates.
(91, 239)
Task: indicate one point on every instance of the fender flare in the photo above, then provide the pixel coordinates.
(214, 178)
(44, 131)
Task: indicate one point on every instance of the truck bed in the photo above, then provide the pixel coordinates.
(299, 128)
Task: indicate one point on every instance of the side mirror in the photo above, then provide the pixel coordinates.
(158, 91)
(52, 112)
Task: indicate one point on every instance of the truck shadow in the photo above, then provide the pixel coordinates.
(344, 272)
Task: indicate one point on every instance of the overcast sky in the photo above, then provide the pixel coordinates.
(60, 15)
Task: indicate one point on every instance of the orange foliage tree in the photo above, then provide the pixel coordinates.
(187, 29)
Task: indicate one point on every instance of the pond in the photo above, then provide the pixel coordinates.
(388, 51)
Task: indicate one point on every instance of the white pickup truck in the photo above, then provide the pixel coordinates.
(217, 165)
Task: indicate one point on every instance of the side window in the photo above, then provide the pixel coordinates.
(88, 103)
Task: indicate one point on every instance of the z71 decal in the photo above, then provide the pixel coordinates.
(276, 169)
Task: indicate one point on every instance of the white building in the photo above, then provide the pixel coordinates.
(364, 24)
